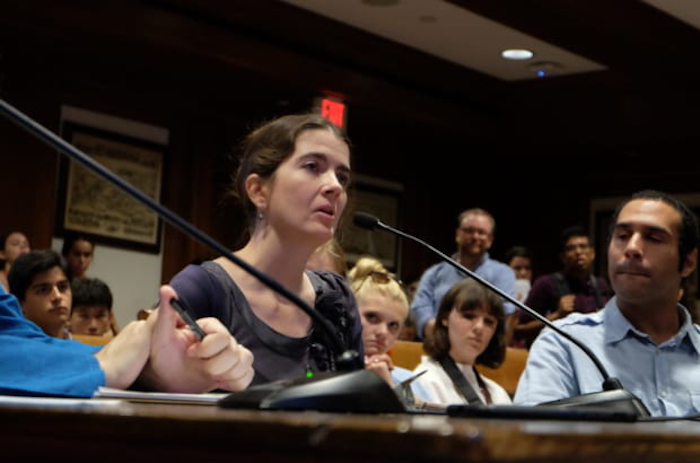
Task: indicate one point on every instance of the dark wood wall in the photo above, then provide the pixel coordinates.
(210, 73)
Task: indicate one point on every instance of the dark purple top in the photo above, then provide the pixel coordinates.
(209, 291)
(545, 294)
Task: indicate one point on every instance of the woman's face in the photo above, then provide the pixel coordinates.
(15, 244)
(307, 193)
(79, 258)
(382, 318)
(522, 267)
(469, 333)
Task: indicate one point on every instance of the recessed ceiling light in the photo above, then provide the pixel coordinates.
(517, 54)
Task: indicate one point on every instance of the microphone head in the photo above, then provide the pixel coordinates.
(365, 220)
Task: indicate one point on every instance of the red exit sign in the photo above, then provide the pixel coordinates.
(335, 111)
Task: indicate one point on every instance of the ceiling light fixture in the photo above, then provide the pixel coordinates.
(517, 54)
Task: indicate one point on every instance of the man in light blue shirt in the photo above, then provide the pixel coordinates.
(474, 237)
(643, 336)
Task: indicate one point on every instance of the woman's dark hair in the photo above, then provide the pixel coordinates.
(30, 264)
(268, 146)
(70, 238)
(688, 234)
(465, 296)
(517, 251)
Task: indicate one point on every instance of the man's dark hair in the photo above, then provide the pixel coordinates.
(29, 265)
(570, 232)
(688, 234)
(91, 292)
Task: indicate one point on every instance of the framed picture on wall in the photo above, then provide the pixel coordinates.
(381, 199)
(89, 204)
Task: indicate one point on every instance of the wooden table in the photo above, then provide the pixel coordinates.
(129, 432)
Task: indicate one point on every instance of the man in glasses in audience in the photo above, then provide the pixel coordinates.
(573, 289)
(474, 237)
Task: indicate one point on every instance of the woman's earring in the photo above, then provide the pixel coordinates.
(261, 215)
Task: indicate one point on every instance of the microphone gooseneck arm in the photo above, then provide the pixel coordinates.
(346, 359)
(369, 222)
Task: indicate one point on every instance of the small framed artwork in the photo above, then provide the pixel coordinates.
(381, 199)
(91, 205)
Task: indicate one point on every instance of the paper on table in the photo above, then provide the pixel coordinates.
(160, 397)
(56, 402)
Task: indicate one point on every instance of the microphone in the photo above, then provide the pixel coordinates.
(614, 396)
(327, 392)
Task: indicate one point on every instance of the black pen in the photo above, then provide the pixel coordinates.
(199, 332)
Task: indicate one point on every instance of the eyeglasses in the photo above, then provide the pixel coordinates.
(44, 289)
(577, 246)
(474, 231)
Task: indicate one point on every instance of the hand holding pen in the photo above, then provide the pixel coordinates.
(202, 356)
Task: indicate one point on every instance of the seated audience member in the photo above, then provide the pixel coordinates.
(330, 257)
(91, 313)
(469, 330)
(519, 259)
(160, 354)
(13, 245)
(383, 309)
(78, 251)
(643, 336)
(474, 237)
(292, 181)
(573, 289)
(38, 280)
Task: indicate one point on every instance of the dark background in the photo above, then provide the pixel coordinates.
(534, 153)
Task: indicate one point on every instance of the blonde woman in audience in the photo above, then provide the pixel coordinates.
(469, 330)
(383, 307)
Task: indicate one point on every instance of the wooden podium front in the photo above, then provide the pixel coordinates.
(127, 432)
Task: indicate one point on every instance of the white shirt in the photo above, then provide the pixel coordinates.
(442, 391)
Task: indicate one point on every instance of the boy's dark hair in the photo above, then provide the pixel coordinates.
(688, 234)
(91, 292)
(29, 265)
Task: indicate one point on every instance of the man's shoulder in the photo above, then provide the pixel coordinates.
(497, 264)
(576, 319)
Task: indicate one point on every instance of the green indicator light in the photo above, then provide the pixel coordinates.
(309, 374)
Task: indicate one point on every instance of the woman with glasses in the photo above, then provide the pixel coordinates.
(292, 182)
(469, 330)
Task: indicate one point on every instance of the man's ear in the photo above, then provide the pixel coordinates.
(690, 262)
(257, 190)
